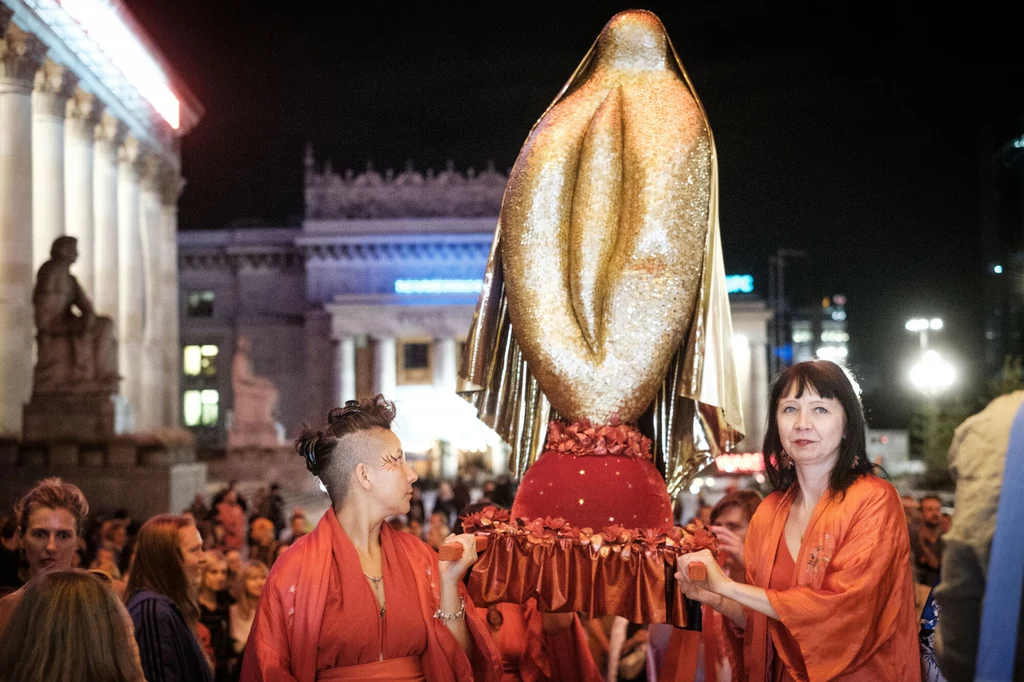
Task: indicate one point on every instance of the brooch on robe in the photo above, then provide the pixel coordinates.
(817, 562)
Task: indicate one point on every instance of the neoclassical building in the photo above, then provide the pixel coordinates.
(374, 292)
(90, 119)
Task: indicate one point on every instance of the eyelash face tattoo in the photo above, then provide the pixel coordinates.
(390, 462)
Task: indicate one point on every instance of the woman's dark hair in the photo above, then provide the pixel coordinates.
(747, 500)
(158, 565)
(69, 626)
(318, 447)
(830, 381)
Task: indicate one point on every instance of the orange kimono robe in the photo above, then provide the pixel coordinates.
(851, 606)
(530, 655)
(290, 639)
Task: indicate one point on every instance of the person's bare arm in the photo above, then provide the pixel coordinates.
(451, 601)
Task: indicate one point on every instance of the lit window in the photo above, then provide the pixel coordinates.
(201, 408)
(200, 361)
(200, 304)
(192, 409)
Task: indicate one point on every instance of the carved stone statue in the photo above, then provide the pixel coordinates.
(255, 401)
(77, 347)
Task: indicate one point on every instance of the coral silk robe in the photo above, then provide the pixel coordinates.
(851, 604)
(318, 611)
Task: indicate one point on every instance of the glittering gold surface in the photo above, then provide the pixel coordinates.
(603, 228)
(603, 293)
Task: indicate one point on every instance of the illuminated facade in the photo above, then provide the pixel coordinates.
(90, 116)
(375, 292)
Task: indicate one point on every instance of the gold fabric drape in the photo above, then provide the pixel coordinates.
(696, 413)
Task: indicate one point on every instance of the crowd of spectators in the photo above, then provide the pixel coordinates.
(194, 578)
(227, 546)
(215, 592)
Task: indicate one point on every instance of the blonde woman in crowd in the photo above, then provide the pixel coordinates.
(214, 613)
(243, 611)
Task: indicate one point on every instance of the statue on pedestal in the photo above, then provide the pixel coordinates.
(253, 425)
(74, 386)
(77, 349)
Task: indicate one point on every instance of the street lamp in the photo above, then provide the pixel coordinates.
(932, 374)
(922, 326)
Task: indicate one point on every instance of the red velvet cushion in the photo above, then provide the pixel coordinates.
(593, 492)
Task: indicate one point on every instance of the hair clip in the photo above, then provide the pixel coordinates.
(350, 407)
(309, 451)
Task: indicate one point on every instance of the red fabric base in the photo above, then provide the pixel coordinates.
(594, 491)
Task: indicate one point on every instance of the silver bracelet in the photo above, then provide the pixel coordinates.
(458, 615)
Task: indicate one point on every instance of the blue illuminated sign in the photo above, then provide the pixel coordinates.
(739, 284)
(438, 286)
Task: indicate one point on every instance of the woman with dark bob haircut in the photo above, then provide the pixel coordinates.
(828, 593)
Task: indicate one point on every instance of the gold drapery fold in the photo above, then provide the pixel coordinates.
(697, 412)
(494, 377)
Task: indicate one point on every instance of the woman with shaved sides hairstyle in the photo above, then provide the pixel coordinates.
(355, 599)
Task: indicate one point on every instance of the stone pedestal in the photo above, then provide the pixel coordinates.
(146, 474)
(79, 417)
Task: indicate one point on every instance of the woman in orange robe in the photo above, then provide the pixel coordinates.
(356, 600)
(829, 593)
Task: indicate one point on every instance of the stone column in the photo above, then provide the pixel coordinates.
(129, 273)
(109, 135)
(345, 369)
(83, 113)
(444, 365)
(21, 54)
(152, 360)
(170, 189)
(384, 374)
(54, 85)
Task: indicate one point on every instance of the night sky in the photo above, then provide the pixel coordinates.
(857, 137)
